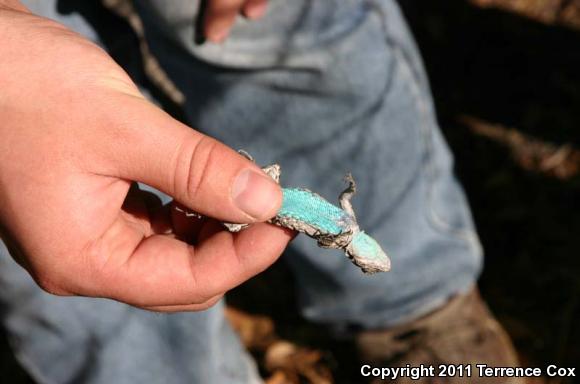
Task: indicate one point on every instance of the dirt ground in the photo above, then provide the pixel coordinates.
(505, 75)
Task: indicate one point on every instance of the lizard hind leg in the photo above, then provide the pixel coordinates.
(273, 171)
(347, 194)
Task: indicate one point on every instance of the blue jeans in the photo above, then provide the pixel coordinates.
(322, 87)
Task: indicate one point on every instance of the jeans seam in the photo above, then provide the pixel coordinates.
(428, 164)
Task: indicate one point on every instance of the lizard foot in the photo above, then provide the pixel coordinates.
(347, 194)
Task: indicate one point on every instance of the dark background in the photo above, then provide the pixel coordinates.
(521, 70)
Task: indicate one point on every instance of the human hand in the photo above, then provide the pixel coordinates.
(219, 15)
(75, 133)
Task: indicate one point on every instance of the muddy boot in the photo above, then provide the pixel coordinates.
(462, 332)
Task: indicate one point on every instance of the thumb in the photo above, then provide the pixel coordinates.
(196, 170)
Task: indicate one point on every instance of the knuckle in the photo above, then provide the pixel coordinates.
(195, 161)
(202, 292)
(200, 296)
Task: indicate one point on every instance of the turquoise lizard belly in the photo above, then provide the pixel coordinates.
(312, 209)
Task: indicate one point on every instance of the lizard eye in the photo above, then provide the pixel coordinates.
(368, 254)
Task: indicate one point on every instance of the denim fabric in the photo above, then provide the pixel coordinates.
(82, 340)
(322, 87)
(339, 87)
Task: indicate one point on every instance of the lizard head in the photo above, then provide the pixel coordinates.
(368, 254)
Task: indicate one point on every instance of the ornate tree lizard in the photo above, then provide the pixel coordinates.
(332, 227)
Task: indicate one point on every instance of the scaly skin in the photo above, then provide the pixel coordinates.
(333, 227)
(307, 212)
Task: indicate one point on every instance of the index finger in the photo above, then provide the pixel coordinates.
(163, 271)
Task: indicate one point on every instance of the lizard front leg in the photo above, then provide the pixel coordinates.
(272, 170)
(346, 195)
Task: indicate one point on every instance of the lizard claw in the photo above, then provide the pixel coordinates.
(350, 180)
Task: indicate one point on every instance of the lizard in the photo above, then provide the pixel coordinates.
(333, 227)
